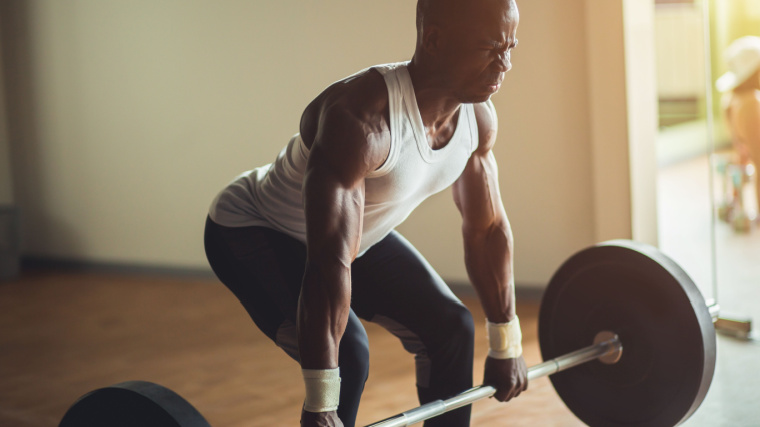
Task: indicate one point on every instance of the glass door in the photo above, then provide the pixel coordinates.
(684, 140)
(735, 60)
(708, 200)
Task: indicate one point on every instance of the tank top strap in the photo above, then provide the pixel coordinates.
(472, 122)
(395, 105)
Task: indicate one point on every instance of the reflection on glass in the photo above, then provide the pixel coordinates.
(684, 142)
(735, 67)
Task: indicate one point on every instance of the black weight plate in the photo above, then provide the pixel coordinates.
(130, 404)
(665, 327)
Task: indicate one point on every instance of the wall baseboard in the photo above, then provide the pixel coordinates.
(44, 263)
(524, 292)
(9, 242)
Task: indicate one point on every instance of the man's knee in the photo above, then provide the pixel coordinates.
(458, 324)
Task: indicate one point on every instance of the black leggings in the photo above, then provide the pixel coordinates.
(391, 285)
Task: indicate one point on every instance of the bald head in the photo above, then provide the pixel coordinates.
(445, 13)
(463, 46)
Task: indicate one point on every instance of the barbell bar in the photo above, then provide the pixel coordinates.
(607, 348)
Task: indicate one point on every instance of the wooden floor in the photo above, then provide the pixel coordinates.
(63, 334)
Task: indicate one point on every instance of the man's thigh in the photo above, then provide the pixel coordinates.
(394, 279)
(263, 268)
(393, 285)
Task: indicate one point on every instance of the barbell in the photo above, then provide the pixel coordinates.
(626, 318)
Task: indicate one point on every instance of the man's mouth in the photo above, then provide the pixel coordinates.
(495, 84)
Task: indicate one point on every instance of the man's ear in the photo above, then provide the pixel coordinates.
(431, 39)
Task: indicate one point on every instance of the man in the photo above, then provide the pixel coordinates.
(308, 243)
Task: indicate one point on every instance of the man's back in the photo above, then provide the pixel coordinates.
(411, 171)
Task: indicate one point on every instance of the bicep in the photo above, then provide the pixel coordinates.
(334, 209)
(477, 195)
(476, 192)
(339, 160)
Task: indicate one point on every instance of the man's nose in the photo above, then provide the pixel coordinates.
(504, 63)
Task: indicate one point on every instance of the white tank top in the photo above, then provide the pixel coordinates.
(270, 196)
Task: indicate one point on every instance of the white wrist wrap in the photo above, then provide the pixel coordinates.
(322, 389)
(504, 339)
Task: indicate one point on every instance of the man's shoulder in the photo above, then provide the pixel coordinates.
(487, 120)
(363, 93)
(485, 113)
(362, 97)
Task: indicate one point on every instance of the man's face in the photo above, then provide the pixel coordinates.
(476, 51)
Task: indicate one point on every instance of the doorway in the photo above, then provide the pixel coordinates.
(695, 183)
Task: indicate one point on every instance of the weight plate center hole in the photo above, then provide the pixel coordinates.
(616, 347)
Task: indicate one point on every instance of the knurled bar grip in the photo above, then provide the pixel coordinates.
(438, 407)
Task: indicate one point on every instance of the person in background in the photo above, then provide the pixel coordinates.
(741, 107)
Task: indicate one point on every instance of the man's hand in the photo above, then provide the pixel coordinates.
(508, 376)
(320, 419)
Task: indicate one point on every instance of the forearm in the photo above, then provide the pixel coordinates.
(489, 262)
(322, 314)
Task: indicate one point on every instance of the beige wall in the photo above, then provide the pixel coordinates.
(131, 115)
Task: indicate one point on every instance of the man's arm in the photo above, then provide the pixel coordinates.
(488, 246)
(343, 152)
(486, 231)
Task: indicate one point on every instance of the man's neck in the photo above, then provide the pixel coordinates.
(438, 107)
